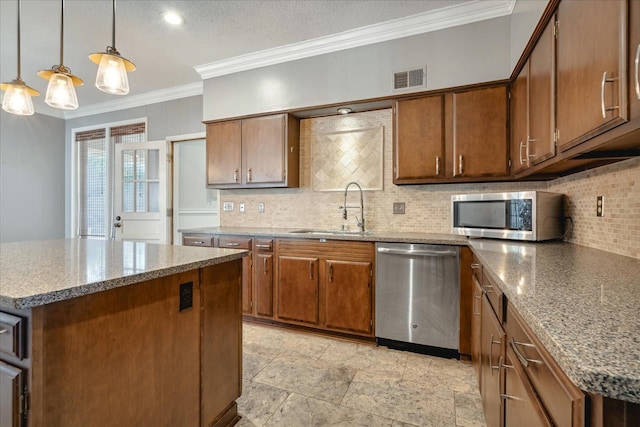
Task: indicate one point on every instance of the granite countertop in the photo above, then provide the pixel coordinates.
(374, 236)
(41, 272)
(583, 304)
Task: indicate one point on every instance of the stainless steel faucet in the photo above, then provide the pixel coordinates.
(344, 208)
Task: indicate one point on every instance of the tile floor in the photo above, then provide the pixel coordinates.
(297, 379)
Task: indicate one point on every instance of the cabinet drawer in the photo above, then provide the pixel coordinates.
(494, 294)
(476, 268)
(11, 335)
(264, 245)
(199, 240)
(564, 402)
(235, 242)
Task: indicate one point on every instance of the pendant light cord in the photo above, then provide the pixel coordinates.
(113, 26)
(62, 33)
(19, 68)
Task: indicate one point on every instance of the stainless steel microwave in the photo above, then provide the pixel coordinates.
(523, 215)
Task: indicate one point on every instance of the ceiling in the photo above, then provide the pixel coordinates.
(214, 34)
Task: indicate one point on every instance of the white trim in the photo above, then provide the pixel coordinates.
(466, 13)
(187, 137)
(162, 95)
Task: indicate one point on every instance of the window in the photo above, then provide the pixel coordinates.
(95, 181)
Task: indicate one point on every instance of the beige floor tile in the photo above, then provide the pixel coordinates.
(469, 409)
(252, 364)
(366, 357)
(259, 402)
(450, 373)
(269, 341)
(405, 401)
(307, 376)
(301, 411)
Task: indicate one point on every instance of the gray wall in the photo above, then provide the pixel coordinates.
(32, 176)
(473, 53)
(524, 20)
(170, 118)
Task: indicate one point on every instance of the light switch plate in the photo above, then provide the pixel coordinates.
(227, 206)
(241, 207)
(398, 208)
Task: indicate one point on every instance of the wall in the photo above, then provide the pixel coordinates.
(524, 19)
(428, 206)
(32, 190)
(618, 230)
(472, 53)
(170, 118)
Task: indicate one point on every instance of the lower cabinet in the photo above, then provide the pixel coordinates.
(263, 267)
(492, 353)
(326, 285)
(11, 386)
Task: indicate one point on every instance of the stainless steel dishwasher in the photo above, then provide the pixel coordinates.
(418, 297)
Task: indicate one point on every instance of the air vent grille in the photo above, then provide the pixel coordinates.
(409, 78)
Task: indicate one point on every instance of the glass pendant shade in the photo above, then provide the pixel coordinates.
(112, 75)
(17, 99)
(61, 93)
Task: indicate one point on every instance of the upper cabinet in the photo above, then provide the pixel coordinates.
(533, 106)
(253, 153)
(591, 69)
(456, 136)
(634, 59)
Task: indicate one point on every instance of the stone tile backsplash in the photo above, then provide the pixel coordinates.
(428, 207)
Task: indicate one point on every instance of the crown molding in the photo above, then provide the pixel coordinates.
(176, 92)
(466, 13)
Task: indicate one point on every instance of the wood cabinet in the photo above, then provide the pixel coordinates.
(419, 140)
(263, 274)
(476, 331)
(257, 152)
(491, 355)
(533, 106)
(12, 380)
(479, 138)
(456, 136)
(246, 243)
(634, 59)
(591, 69)
(328, 285)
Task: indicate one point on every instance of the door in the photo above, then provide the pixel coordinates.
(348, 294)
(263, 140)
(492, 350)
(224, 153)
(591, 76)
(140, 205)
(264, 284)
(11, 386)
(480, 133)
(418, 144)
(298, 289)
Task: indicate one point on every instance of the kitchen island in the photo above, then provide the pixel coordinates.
(119, 333)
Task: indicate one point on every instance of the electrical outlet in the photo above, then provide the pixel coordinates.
(398, 208)
(227, 206)
(600, 206)
(186, 296)
(260, 207)
(241, 207)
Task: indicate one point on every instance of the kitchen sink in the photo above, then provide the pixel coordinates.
(332, 232)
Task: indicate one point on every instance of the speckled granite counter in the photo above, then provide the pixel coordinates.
(375, 236)
(582, 303)
(41, 272)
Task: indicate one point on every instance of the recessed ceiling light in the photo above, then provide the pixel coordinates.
(344, 110)
(173, 18)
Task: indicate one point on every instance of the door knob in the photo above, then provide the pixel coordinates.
(117, 224)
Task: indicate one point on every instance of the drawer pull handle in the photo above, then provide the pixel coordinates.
(522, 162)
(460, 165)
(438, 163)
(249, 175)
(523, 360)
(475, 266)
(491, 343)
(2, 331)
(637, 77)
(235, 176)
(263, 246)
(330, 273)
(606, 80)
(475, 297)
(232, 244)
(199, 242)
(310, 270)
(265, 266)
(508, 396)
(497, 368)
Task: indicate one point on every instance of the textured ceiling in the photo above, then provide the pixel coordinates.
(165, 56)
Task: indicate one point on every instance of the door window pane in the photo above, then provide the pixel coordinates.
(141, 196)
(128, 197)
(141, 165)
(153, 163)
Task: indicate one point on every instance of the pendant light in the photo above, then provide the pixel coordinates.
(17, 97)
(60, 91)
(113, 68)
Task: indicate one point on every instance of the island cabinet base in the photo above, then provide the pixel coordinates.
(135, 355)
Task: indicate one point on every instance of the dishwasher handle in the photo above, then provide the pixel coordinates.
(419, 252)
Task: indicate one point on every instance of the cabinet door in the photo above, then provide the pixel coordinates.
(591, 76)
(476, 332)
(540, 142)
(224, 153)
(264, 145)
(520, 400)
(241, 242)
(634, 58)
(298, 289)
(492, 351)
(348, 295)
(480, 146)
(418, 144)
(11, 386)
(519, 121)
(264, 284)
